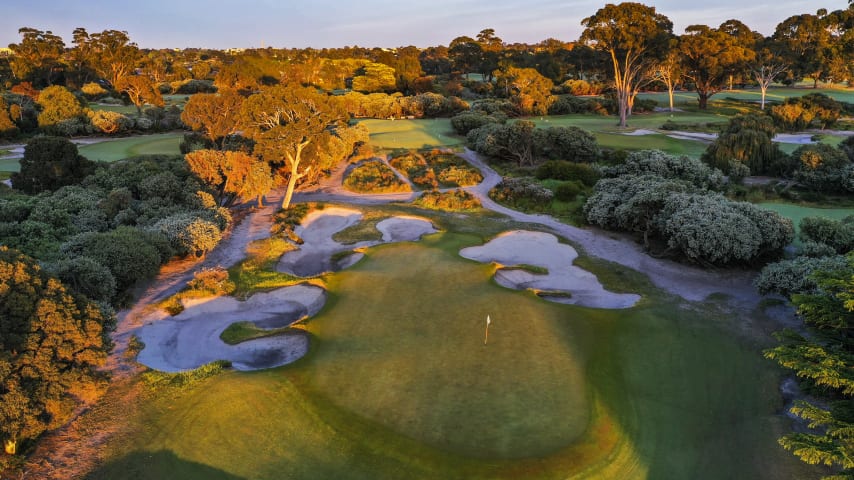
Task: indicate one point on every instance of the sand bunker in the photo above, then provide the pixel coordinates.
(191, 338)
(317, 254)
(522, 247)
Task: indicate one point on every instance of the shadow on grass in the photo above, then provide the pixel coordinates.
(160, 465)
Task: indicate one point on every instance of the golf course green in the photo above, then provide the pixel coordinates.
(399, 384)
(121, 148)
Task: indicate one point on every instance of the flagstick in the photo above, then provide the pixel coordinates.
(486, 334)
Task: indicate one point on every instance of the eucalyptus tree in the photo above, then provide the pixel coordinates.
(635, 37)
(710, 57)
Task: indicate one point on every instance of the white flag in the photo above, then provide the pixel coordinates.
(488, 321)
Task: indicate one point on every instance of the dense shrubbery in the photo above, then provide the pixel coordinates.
(746, 140)
(520, 142)
(792, 276)
(564, 170)
(50, 163)
(813, 110)
(374, 176)
(468, 121)
(822, 168)
(582, 87)
(211, 281)
(665, 197)
(521, 193)
(114, 218)
(432, 169)
(383, 105)
(453, 200)
(656, 162)
(836, 234)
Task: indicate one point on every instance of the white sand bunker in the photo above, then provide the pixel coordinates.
(317, 253)
(566, 282)
(191, 338)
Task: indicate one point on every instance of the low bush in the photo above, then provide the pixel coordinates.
(521, 192)
(211, 281)
(453, 200)
(789, 277)
(374, 177)
(563, 170)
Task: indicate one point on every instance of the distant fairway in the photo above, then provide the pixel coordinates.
(121, 148)
(776, 94)
(412, 134)
(798, 212)
(398, 384)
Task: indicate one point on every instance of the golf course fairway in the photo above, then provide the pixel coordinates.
(399, 384)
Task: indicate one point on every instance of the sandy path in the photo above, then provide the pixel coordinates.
(688, 282)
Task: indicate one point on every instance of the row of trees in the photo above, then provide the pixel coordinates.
(629, 44)
(642, 48)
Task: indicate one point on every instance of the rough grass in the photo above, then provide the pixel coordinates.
(258, 271)
(398, 384)
(10, 165)
(239, 332)
(535, 269)
(119, 149)
(363, 231)
(374, 176)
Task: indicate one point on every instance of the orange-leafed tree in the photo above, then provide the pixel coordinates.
(140, 90)
(51, 341)
(232, 175)
(283, 121)
(215, 115)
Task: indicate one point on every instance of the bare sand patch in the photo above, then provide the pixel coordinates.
(191, 338)
(317, 254)
(564, 282)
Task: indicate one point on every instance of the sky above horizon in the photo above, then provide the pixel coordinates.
(366, 23)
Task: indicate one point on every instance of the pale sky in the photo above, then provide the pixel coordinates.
(366, 23)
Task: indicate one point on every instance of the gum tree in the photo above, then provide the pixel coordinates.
(283, 121)
(634, 36)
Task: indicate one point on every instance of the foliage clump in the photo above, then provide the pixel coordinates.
(374, 176)
(454, 200)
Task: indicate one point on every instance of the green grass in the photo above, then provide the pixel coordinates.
(240, 332)
(776, 94)
(398, 384)
(412, 134)
(798, 212)
(258, 271)
(535, 269)
(364, 231)
(119, 149)
(10, 165)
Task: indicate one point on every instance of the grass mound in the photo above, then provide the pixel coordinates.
(453, 201)
(374, 176)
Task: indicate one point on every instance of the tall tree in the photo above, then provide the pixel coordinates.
(283, 120)
(669, 72)
(529, 91)
(491, 46)
(767, 66)
(710, 57)
(216, 115)
(50, 343)
(634, 36)
(113, 55)
(37, 56)
(140, 90)
(465, 53)
(232, 175)
(807, 45)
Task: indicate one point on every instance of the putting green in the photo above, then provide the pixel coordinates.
(119, 149)
(423, 370)
(399, 385)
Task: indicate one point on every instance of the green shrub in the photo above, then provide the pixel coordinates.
(567, 191)
(563, 170)
(374, 177)
(453, 200)
(794, 276)
(211, 281)
(87, 276)
(523, 192)
(838, 235)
